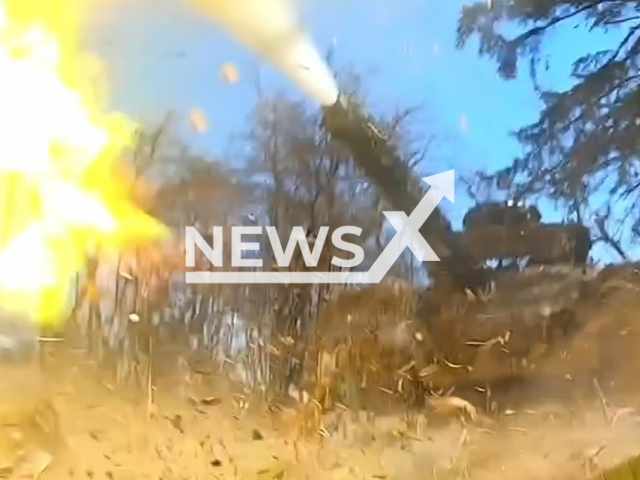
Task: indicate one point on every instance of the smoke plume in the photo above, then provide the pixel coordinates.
(272, 29)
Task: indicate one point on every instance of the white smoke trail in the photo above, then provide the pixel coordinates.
(272, 29)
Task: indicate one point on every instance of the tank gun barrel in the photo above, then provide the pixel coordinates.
(373, 153)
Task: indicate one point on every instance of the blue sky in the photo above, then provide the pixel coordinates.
(160, 56)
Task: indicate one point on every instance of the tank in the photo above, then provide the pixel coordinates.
(514, 234)
(501, 214)
(505, 271)
(492, 231)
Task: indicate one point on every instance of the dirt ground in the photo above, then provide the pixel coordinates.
(199, 431)
(203, 427)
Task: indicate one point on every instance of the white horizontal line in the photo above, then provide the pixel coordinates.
(279, 277)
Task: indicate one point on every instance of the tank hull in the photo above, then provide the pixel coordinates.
(545, 243)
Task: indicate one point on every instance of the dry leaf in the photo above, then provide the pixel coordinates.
(229, 73)
(177, 422)
(453, 405)
(620, 412)
(125, 275)
(198, 121)
(407, 367)
(287, 340)
(32, 465)
(428, 370)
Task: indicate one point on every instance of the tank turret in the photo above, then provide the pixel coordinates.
(513, 231)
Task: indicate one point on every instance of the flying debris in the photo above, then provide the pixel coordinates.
(229, 73)
(198, 121)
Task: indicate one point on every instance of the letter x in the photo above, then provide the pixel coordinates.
(409, 236)
(408, 228)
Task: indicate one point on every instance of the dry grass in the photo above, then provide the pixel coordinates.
(213, 429)
(109, 436)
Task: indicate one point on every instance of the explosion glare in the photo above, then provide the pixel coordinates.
(60, 193)
(271, 28)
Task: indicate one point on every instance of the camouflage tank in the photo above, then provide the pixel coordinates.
(484, 323)
(491, 230)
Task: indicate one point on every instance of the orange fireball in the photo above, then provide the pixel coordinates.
(59, 191)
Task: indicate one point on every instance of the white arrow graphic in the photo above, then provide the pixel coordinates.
(408, 234)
